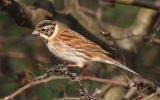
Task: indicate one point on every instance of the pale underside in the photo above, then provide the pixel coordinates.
(67, 53)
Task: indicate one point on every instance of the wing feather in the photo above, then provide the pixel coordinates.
(75, 40)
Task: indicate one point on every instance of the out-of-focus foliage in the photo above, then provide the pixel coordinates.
(20, 53)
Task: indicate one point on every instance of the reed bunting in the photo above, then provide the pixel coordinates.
(70, 46)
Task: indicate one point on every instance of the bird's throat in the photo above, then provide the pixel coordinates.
(44, 37)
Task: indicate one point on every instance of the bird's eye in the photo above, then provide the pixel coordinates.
(43, 29)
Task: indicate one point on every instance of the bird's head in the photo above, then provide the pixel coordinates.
(45, 29)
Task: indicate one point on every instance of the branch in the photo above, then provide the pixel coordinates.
(140, 82)
(31, 84)
(106, 81)
(29, 17)
(131, 92)
(152, 96)
(150, 39)
(153, 40)
(139, 85)
(20, 12)
(21, 55)
(139, 3)
(23, 14)
(141, 26)
(69, 98)
(42, 80)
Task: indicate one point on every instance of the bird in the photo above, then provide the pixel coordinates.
(70, 46)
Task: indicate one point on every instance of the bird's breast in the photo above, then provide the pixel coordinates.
(66, 52)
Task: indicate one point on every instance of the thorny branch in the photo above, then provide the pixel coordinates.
(63, 69)
(82, 91)
(70, 75)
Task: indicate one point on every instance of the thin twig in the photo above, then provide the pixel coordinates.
(42, 79)
(151, 96)
(139, 3)
(113, 82)
(31, 84)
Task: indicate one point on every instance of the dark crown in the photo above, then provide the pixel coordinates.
(45, 23)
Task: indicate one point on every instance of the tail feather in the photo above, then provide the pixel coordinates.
(112, 61)
(126, 68)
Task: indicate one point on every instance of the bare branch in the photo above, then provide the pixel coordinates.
(26, 16)
(42, 80)
(69, 98)
(152, 96)
(131, 92)
(140, 3)
(142, 26)
(154, 40)
(23, 14)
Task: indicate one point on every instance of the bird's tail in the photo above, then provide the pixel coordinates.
(114, 62)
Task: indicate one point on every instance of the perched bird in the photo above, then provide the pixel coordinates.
(70, 46)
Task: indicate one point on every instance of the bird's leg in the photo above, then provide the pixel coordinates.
(81, 70)
(69, 65)
(72, 65)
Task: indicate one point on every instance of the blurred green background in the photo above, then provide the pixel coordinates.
(20, 53)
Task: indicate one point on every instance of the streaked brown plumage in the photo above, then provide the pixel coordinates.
(70, 46)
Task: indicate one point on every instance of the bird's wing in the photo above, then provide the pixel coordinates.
(75, 40)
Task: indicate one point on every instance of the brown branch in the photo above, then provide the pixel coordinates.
(140, 82)
(139, 3)
(91, 24)
(74, 98)
(29, 85)
(21, 55)
(141, 26)
(106, 81)
(152, 96)
(26, 16)
(23, 14)
(150, 39)
(17, 55)
(131, 92)
(69, 98)
(138, 86)
(42, 80)
(154, 40)
(20, 12)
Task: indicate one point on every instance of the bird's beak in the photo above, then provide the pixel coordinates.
(35, 33)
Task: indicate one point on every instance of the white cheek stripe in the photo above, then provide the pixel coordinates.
(44, 36)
